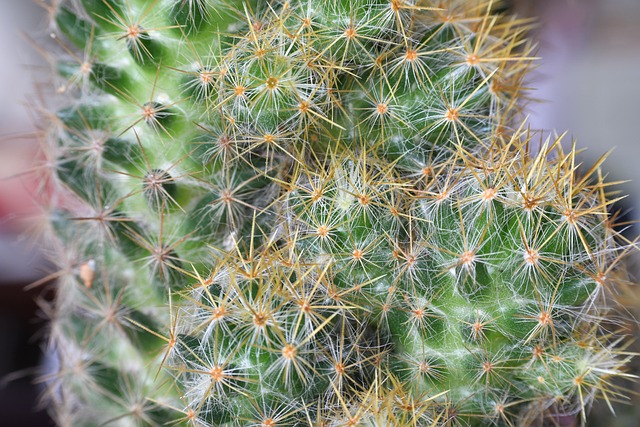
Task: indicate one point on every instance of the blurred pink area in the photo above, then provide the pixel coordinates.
(19, 190)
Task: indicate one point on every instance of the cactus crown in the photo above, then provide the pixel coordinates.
(317, 213)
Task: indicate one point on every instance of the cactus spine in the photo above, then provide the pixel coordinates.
(317, 213)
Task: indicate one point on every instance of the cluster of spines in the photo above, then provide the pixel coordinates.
(331, 326)
(332, 172)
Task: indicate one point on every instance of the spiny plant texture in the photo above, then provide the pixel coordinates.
(317, 213)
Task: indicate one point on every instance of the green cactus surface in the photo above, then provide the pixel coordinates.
(317, 213)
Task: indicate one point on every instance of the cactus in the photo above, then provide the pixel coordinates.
(317, 213)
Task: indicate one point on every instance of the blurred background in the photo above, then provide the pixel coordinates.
(588, 78)
(20, 263)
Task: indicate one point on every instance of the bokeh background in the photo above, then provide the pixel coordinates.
(588, 80)
(21, 21)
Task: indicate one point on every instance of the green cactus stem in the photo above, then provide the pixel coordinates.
(317, 213)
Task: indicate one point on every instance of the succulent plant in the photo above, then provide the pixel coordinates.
(317, 213)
